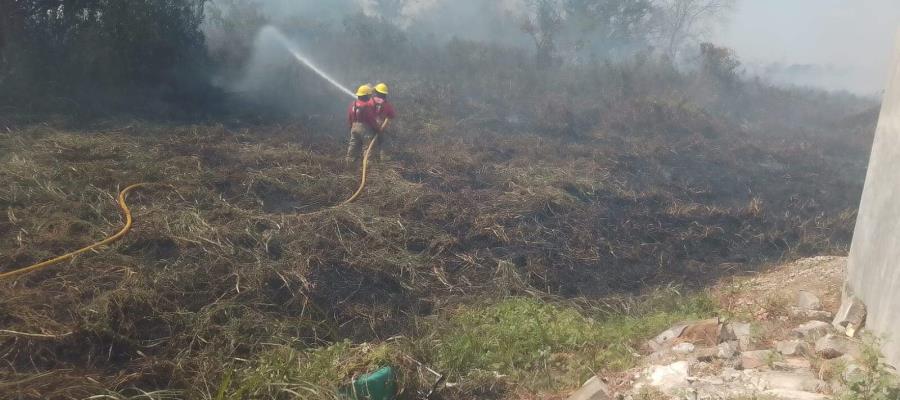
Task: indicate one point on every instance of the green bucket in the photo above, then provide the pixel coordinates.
(379, 385)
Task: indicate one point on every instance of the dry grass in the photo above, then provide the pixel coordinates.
(221, 267)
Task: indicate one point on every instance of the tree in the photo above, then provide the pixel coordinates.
(103, 43)
(609, 25)
(543, 25)
(682, 21)
(720, 63)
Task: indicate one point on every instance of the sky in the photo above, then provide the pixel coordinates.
(833, 44)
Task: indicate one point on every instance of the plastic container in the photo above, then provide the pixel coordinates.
(379, 385)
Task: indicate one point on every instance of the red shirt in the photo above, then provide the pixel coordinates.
(384, 109)
(363, 112)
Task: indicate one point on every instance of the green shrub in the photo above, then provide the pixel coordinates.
(876, 381)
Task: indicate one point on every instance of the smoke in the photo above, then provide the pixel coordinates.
(830, 44)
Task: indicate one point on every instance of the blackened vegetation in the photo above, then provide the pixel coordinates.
(574, 181)
(222, 266)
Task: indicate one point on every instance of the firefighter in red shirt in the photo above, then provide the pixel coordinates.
(363, 122)
(384, 114)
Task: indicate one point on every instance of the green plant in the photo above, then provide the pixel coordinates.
(650, 393)
(875, 381)
(546, 345)
(314, 373)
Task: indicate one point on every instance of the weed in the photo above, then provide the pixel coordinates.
(650, 393)
(549, 346)
(315, 373)
(876, 380)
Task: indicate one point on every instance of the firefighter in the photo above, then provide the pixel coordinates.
(363, 122)
(384, 114)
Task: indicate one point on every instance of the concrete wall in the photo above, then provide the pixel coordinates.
(874, 269)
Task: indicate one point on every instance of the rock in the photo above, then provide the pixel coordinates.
(792, 348)
(706, 354)
(812, 330)
(712, 380)
(799, 380)
(784, 394)
(669, 378)
(666, 337)
(727, 350)
(793, 364)
(851, 316)
(832, 346)
(808, 301)
(739, 331)
(705, 333)
(683, 348)
(816, 315)
(593, 389)
(757, 359)
(730, 374)
(663, 356)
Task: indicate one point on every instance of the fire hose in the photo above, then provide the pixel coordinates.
(123, 206)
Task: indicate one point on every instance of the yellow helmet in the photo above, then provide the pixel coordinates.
(364, 90)
(381, 88)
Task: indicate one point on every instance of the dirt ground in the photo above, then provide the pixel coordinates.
(765, 296)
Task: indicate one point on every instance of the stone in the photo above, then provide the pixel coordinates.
(757, 359)
(813, 315)
(798, 380)
(812, 330)
(669, 378)
(727, 350)
(704, 333)
(683, 348)
(793, 364)
(785, 394)
(832, 346)
(808, 301)
(593, 389)
(851, 316)
(792, 348)
(741, 332)
(666, 337)
(663, 356)
(705, 354)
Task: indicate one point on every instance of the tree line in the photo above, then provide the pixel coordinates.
(58, 52)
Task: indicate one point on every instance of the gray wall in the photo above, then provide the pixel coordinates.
(874, 266)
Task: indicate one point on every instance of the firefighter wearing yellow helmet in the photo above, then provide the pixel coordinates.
(363, 122)
(384, 114)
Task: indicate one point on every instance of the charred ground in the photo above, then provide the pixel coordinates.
(222, 265)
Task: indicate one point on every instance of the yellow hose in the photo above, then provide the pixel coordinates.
(128, 221)
(365, 170)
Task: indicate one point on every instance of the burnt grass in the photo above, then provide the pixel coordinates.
(223, 261)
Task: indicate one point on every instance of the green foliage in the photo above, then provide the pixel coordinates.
(95, 47)
(315, 373)
(875, 381)
(546, 345)
(534, 344)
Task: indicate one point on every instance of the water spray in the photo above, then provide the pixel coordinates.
(298, 55)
